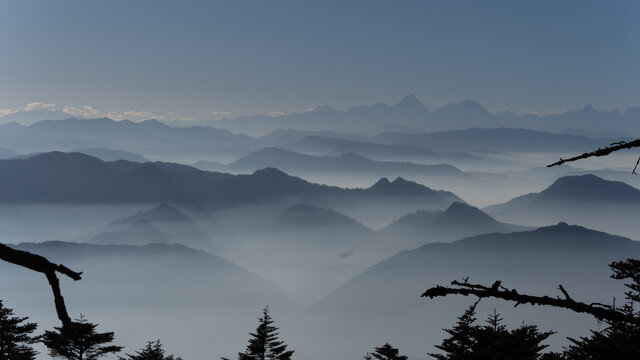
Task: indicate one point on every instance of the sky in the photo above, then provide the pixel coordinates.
(209, 59)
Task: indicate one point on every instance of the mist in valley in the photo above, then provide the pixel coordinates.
(332, 161)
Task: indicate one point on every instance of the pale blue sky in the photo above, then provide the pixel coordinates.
(190, 58)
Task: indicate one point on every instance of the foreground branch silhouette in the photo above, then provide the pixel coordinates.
(599, 311)
(41, 264)
(603, 152)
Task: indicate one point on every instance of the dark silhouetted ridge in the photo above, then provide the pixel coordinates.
(591, 187)
(459, 213)
(399, 186)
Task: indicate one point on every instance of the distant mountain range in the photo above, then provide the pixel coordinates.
(506, 140)
(138, 137)
(456, 222)
(571, 191)
(345, 164)
(161, 224)
(151, 139)
(410, 113)
(587, 199)
(77, 178)
(305, 217)
(105, 154)
(407, 115)
(57, 177)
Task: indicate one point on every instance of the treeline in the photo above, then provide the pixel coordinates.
(619, 339)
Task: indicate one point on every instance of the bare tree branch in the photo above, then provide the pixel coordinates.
(41, 264)
(600, 312)
(601, 152)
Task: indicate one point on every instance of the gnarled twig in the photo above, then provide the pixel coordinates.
(601, 152)
(600, 312)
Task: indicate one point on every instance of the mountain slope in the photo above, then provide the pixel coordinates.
(69, 134)
(532, 261)
(587, 199)
(161, 224)
(303, 216)
(81, 179)
(456, 222)
(571, 193)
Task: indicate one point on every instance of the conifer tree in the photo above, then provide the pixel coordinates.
(152, 351)
(492, 341)
(15, 336)
(385, 352)
(264, 343)
(618, 341)
(461, 340)
(80, 341)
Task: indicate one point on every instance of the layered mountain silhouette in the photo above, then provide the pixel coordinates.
(141, 232)
(507, 140)
(410, 112)
(418, 153)
(305, 217)
(533, 262)
(70, 134)
(587, 199)
(558, 246)
(457, 221)
(161, 213)
(57, 177)
(570, 192)
(161, 224)
(105, 154)
(344, 164)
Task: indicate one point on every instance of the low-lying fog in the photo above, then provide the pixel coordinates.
(340, 274)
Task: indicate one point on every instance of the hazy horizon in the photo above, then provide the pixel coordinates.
(212, 59)
(330, 159)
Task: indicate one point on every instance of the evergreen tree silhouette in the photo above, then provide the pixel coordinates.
(79, 341)
(620, 339)
(264, 343)
(492, 341)
(152, 351)
(385, 352)
(461, 340)
(15, 336)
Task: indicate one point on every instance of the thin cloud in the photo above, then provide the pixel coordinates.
(217, 115)
(29, 107)
(85, 111)
(82, 111)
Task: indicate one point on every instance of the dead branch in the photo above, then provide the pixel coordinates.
(601, 152)
(41, 264)
(600, 312)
